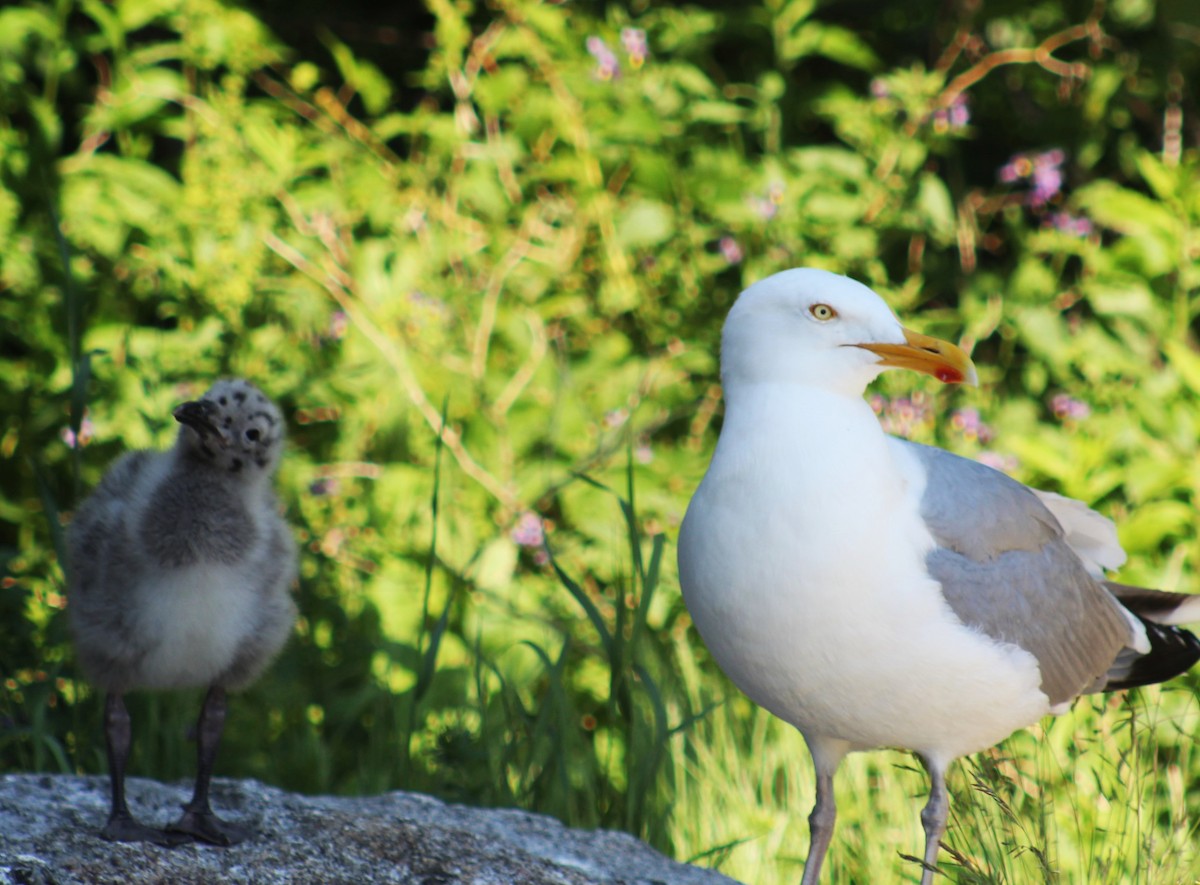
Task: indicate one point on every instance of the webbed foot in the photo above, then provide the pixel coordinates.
(123, 828)
(204, 826)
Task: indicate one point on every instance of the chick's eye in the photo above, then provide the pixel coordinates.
(822, 312)
(253, 434)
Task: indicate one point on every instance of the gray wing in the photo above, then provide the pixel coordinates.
(101, 566)
(272, 575)
(1007, 570)
(98, 523)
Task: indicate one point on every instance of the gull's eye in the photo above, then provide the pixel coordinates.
(822, 312)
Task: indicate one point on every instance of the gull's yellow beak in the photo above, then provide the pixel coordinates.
(945, 361)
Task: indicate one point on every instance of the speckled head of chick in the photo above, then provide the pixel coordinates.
(234, 427)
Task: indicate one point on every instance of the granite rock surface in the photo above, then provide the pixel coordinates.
(48, 827)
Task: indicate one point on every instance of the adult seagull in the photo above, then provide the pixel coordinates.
(874, 592)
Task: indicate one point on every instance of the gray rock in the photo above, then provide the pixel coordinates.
(48, 827)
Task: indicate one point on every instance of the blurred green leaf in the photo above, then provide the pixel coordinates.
(644, 223)
(497, 563)
(1149, 525)
(371, 86)
(933, 199)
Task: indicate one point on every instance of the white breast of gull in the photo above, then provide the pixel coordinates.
(878, 593)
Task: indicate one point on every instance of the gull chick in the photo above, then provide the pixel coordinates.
(877, 593)
(179, 575)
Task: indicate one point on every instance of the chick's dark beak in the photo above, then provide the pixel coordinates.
(202, 416)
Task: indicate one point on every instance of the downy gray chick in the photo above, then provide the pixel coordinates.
(179, 575)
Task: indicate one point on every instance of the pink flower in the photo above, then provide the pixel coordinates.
(1047, 183)
(1043, 170)
(998, 461)
(768, 206)
(86, 432)
(633, 40)
(903, 416)
(730, 249)
(1076, 225)
(969, 424)
(765, 208)
(1015, 169)
(607, 65)
(959, 113)
(954, 116)
(1067, 408)
(528, 532)
(338, 323)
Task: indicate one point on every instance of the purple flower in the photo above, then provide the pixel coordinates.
(730, 249)
(1067, 408)
(970, 424)
(903, 416)
(879, 89)
(767, 207)
(959, 112)
(764, 208)
(634, 42)
(954, 116)
(338, 323)
(528, 532)
(1017, 168)
(642, 452)
(86, 432)
(607, 65)
(1047, 179)
(1044, 171)
(1076, 225)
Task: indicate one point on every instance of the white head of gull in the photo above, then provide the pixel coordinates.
(878, 593)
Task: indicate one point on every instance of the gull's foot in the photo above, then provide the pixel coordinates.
(205, 826)
(123, 828)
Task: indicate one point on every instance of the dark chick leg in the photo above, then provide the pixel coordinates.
(121, 826)
(198, 819)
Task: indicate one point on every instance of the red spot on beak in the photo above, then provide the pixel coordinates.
(949, 376)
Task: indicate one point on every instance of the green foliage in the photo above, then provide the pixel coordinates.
(495, 284)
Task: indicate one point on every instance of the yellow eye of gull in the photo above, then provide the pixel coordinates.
(822, 312)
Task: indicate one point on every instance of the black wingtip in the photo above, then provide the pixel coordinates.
(1173, 650)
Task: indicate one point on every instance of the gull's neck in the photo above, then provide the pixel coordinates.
(822, 435)
(804, 413)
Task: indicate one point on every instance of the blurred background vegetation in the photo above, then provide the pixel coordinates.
(480, 253)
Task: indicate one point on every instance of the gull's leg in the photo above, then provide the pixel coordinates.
(827, 755)
(934, 815)
(121, 826)
(198, 819)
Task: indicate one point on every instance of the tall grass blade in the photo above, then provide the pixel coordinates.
(589, 607)
(51, 510)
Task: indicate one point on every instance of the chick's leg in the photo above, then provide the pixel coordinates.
(121, 826)
(198, 819)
